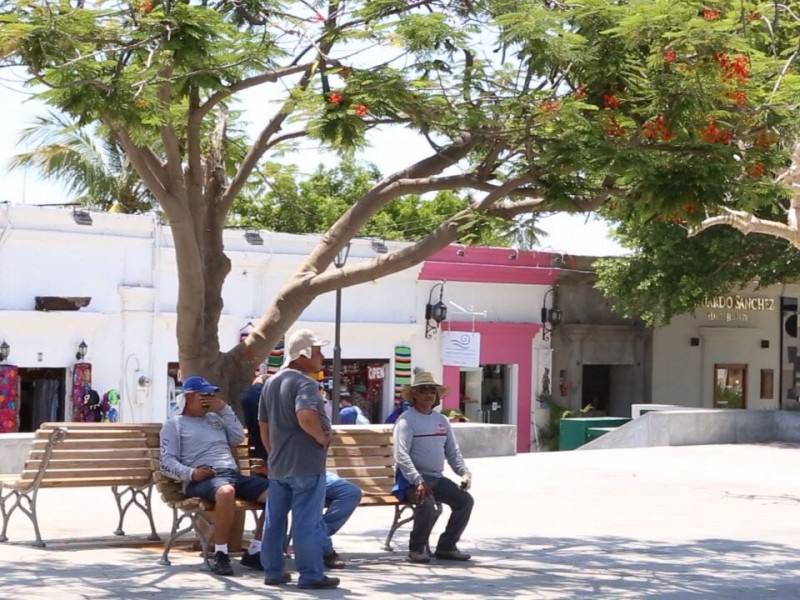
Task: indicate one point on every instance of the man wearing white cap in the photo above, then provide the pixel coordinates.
(196, 449)
(423, 439)
(296, 432)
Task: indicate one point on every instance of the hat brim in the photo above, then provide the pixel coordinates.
(206, 389)
(288, 358)
(405, 393)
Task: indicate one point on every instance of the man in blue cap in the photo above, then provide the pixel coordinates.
(196, 449)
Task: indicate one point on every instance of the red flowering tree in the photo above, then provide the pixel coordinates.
(639, 108)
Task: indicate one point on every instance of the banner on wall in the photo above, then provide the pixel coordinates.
(9, 399)
(402, 368)
(461, 348)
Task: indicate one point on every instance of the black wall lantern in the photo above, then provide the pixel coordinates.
(550, 316)
(82, 349)
(434, 313)
(5, 350)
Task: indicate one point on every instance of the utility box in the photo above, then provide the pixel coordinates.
(574, 433)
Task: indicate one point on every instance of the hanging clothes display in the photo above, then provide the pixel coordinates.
(275, 359)
(402, 369)
(9, 398)
(81, 396)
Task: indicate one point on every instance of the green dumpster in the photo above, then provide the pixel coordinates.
(574, 433)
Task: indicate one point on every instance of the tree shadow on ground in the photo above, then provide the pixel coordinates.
(515, 567)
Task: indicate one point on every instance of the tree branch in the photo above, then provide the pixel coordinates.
(747, 224)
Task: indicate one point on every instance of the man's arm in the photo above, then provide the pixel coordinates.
(263, 428)
(453, 453)
(403, 436)
(309, 421)
(234, 430)
(171, 453)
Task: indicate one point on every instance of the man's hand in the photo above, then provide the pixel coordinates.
(422, 492)
(466, 481)
(325, 440)
(203, 472)
(215, 403)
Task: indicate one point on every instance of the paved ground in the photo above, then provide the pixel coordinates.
(710, 522)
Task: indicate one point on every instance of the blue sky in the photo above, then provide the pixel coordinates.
(572, 234)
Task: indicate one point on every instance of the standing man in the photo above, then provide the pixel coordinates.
(296, 433)
(423, 439)
(196, 449)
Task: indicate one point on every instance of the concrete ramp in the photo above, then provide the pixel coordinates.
(700, 427)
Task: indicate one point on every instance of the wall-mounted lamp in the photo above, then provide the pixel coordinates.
(461, 251)
(514, 255)
(144, 381)
(82, 217)
(379, 247)
(5, 350)
(434, 313)
(254, 238)
(558, 260)
(82, 349)
(550, 316)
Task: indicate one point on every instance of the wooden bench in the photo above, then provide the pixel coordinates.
(64, 455)
(196, 514)
(364, 454)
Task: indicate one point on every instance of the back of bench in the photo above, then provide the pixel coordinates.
(94, 454)
(365, 456)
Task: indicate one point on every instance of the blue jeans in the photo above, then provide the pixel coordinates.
(304, 496)
(342, 498)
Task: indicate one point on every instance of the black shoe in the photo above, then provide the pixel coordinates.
(285, 578)
(222, 564)
(326, 583)
(454, 554)
(333, 561)
(252, 561)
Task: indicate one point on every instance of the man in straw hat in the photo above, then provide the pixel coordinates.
(196, 449)
(296, 433)
(423, 439)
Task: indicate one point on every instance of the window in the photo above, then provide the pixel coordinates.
(767, 378)
(730, 386)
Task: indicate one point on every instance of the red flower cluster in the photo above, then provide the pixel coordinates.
(755, 16)
(610, 101)
(549, 106)
(334, 97)
(756, 170)
(710, 14)
(734, 69)
(145, 6)
(690, 209)
(360, 110)
(657, 130)
(670, 56)
(580, 92)
(739, 97)
(614, 129)
(711, 134)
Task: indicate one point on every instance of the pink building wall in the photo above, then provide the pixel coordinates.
(501, 342)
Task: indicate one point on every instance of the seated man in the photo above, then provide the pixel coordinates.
(349, 413)
(196, 449)
(341, 496)
(423, 439)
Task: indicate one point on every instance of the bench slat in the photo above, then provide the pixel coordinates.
(95, 426)
(98, 471)
(86, 482)
(339, 462)
(76, 454)
(87, 434)
(91, 463)
(365, 439)
(74, 444)
(337, 451)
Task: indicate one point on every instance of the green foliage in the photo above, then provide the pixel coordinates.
(285, 201)
(670, 274)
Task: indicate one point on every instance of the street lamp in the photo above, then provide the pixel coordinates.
(339, 261)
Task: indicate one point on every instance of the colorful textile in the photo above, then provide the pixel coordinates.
(402, 368)
(275, 359)
(9, 398)
(82, 406)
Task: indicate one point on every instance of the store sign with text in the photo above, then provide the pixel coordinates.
(461, 348)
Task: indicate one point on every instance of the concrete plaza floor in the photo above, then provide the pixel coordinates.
(695, 522)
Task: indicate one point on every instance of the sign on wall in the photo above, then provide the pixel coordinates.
(461, 348)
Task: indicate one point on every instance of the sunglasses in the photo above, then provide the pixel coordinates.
(427, 389)
(207, 395)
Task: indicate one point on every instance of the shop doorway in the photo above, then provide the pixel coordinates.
(487, 394)
(730, 386)
(43, 395)
(365, 381)
(596, 389)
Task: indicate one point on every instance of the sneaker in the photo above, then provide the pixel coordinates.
(326, 583)
(285, 578)
(222, 564)
(418, 556)
(334, 561)
(454, 554)
(252, 561)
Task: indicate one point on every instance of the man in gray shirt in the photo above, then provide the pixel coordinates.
(196, 449)
(423, 439)
(296, 432)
